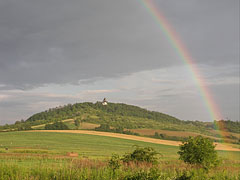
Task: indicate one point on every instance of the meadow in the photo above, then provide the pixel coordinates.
(44, 155)
(91, 146)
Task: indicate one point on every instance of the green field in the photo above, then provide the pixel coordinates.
(92, 146)
(42, 155)
(86, 145)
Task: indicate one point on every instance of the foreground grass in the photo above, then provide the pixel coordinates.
(67, 168)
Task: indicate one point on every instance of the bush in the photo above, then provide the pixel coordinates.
(115, 162)
(103, 127)
(195, 174)
(153, 174)
(199, 151)
(146, 154)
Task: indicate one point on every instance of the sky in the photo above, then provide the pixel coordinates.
(59, 52)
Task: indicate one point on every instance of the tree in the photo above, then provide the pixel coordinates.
(77, 122)
(199, 151)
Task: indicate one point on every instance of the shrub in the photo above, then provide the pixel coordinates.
(153, 174)
(115, 162)
(195, 174)
(199, 151)
(146, 154)
(103, 127)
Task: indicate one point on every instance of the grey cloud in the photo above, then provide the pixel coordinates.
(20, 105)
(58, 41)
(227, 98)
(63, 42)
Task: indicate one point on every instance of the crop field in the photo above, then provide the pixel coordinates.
(86, 145)
(44, 155)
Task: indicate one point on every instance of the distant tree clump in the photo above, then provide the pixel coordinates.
(24, 127)
(56, 126)
(106, 128)
(77, 122)
(199, 151)
(103, 127)
(231, 126)
(164, 136)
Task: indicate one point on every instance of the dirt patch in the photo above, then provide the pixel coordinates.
(85, 125)
(136, 138)
(72, 154)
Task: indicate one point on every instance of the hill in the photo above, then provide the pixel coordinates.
(118, 117)
(114, 114)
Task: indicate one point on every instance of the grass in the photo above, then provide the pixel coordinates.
(42, 155)
(86, 169)
(85, 145)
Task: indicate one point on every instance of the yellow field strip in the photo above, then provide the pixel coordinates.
(219, 146)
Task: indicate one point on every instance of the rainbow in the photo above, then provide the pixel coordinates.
(183, 53)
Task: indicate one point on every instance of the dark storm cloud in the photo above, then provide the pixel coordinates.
(58, 41)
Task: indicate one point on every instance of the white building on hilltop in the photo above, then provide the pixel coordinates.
(104, 102)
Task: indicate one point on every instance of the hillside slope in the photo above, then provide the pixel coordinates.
(122, 116)
(117, 115)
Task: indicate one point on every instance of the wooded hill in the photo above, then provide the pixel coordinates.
(118, 115)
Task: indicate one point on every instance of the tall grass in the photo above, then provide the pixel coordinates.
(59, 168)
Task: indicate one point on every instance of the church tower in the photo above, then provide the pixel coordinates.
(104, 102)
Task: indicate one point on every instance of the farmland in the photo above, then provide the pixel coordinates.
(61, 143)
(43, 155)
(77, 141)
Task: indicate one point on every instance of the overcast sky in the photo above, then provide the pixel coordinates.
(58, 52)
